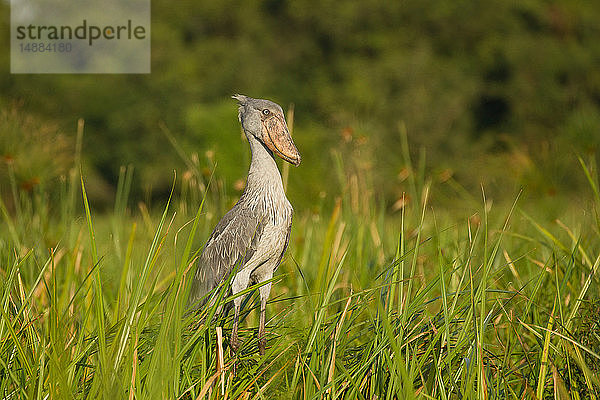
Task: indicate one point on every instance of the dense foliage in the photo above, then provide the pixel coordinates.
(426, 304)
(494, 92)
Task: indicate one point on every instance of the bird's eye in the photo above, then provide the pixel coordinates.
(266, 111)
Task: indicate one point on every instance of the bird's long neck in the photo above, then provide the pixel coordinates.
(264, 176)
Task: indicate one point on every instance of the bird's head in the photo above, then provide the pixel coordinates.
(264, 120)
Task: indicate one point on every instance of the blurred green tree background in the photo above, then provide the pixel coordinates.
(499, 93)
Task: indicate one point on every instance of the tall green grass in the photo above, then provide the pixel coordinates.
(421, 303)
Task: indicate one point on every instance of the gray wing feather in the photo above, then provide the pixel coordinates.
(234, 239)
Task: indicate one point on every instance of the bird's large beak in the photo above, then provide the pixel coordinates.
(278, 139)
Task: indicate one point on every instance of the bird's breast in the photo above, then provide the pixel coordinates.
(276, 216)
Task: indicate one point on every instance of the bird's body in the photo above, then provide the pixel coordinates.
(254, 234)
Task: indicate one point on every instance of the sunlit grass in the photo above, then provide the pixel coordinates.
(421, 303)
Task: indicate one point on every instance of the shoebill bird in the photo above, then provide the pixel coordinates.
(254, 234)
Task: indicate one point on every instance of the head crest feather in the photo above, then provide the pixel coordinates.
(240, 98)
(242, 101)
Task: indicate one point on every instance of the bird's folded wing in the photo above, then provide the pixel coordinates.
(233, 241)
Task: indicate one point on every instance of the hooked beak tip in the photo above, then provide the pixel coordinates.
(278, 139)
